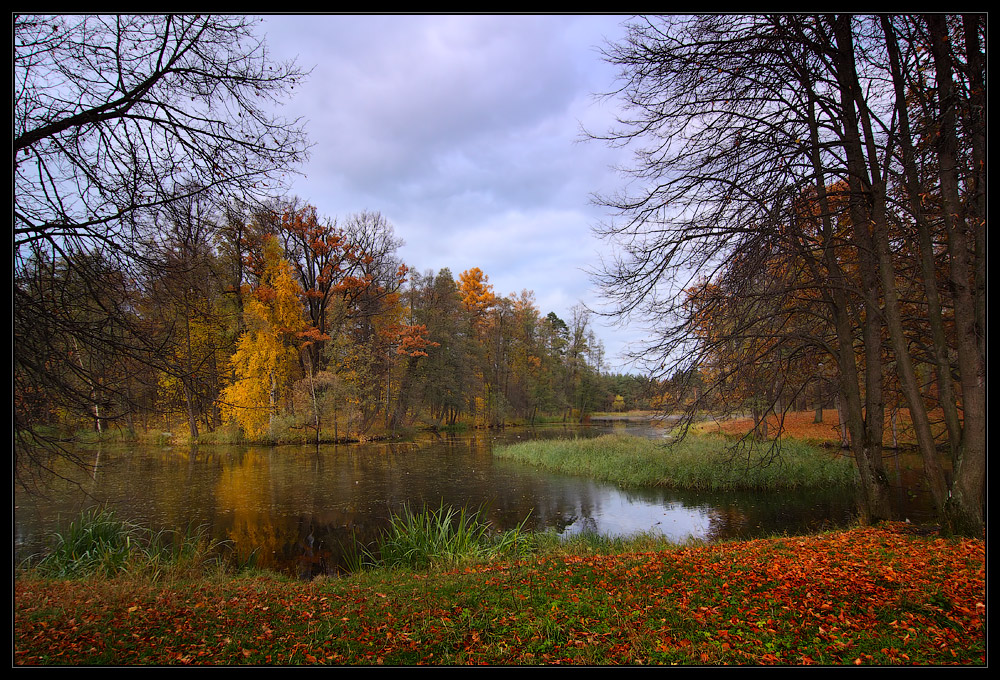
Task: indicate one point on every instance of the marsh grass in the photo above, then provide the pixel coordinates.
(440, 538)
(696, 462)
(99, 543)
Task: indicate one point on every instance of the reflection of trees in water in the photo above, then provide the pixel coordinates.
(344, 496)
(296, 506)
(244, 496)
(737, 515)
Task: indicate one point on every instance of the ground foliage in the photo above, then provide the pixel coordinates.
(867, 596)
(802, 425)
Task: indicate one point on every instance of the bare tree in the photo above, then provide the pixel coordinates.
(784, 140)
(113, 113)
(115, 119)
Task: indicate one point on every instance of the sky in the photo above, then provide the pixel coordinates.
(465, 133)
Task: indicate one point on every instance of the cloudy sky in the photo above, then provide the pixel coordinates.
(465, 133)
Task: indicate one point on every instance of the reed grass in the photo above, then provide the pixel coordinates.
(99, 543)
(696, 462)
(443, 537)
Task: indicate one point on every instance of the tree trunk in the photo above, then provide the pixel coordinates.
(866, 430)
(964, 508)
(192, 413)
(939, 342)
(842, 421)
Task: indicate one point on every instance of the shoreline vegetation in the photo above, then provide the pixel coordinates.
(283, 434)
(703, 462)
(886, 595)
(798, 425)
(443, 588)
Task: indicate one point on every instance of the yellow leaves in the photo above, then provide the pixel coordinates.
(276, 300)
(266, 356)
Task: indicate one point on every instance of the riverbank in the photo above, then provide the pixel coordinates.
(866, 596)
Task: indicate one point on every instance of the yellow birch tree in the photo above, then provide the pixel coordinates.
(266, 356)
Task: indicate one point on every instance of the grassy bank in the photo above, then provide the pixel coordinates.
(863, 596)
(697, 462)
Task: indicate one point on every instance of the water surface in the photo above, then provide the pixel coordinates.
(294, 508)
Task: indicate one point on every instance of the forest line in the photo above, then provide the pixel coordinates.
(281, 320)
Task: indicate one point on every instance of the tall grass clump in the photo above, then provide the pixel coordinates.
(99, 543)
(443, 537)
(696, 462)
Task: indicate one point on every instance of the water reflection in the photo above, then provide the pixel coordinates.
(295, 508)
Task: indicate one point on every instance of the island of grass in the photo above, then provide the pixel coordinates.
(704, 462)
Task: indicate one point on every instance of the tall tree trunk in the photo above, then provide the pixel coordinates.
(868, 203)
(964, 507)
(861, 201)
(939, 341)
(874, 499)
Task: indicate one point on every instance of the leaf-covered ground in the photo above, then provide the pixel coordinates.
(800, 425)
(865, 596)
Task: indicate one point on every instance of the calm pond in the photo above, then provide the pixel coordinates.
(295, 507)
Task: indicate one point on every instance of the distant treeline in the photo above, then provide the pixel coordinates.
(279, 321)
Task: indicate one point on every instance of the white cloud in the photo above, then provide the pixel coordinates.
(463, 131)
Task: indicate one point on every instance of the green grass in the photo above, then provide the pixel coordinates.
(100, 544)
(864, 596)
(696, 462)
(442, 537)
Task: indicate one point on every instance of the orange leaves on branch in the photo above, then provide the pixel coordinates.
(311, 336)
(476, 293)
(413, 340)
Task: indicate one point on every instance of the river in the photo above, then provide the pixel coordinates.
(294, 508)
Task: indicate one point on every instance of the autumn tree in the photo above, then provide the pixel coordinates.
(476, 293)
(735, 119)
(449, 370)
(183, 301)
(114, 118)
(266, 358)
(526, 390)
(411, 343)
(322, 259)
(478, 300)
(369, 314)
